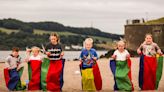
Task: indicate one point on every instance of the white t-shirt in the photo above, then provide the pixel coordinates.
(11, 62)
(38, 57)
(121, 55)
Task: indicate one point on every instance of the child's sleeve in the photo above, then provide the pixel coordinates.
(127, 52)
(46, 47)
(61, 48)
(27, 57)
(115, 52)
(20, 62)
(95, 54)
(140, 47)
(81, 55)
(158, 49)
(7, 65)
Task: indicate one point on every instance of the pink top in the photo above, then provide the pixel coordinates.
(149, 49)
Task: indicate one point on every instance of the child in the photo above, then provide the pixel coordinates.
(121, 68)
(148, 74)
(148, 47)
(54, 66)
(53, 49)
(13, 66)
(34, 67)
(121, 54)
(91, 78)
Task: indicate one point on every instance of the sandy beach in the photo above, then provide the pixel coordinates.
(72, 78)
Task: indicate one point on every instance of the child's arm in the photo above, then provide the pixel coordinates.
(81, 56)
(20, 64)
(48, 53)
(7, 65)
(46, 50)
(61, 55)
(28, 51)
(139, 49)
(42, 58)
(95, 56)
(114, 55)
(127, 55)
(158, 49)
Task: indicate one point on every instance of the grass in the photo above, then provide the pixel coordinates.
(40, 32)
(8, 31)
(156, 21)
(37, 31)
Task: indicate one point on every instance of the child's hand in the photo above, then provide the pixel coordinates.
(48, 53)
(94, 58)
(26, 60)
(81, 60)
(18, 68)
(127, 56)
(159, 52)
(84, 57)
(61, 55)
(114, 56)
(28, 51)
(139, 51)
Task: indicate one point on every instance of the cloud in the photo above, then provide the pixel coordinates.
(107, 15)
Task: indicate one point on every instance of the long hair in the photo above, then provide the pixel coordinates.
(56, 35)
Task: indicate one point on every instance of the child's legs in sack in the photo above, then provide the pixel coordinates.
(14, 78)
(88, 79)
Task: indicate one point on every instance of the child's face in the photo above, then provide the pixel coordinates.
(15, 53)
(53, 39)
(148, 39)
(88, 45)
(121, 47)
(35, 52)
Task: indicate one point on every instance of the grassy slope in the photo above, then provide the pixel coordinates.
(156, 21)
(37, 31)
(8, 31)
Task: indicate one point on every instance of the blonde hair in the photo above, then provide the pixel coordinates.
(56, 35)
(35, 48)
(121, 42)
(89, 40)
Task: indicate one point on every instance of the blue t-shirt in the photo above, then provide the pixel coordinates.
(87, 57)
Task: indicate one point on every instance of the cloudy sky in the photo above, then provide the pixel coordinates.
(106, 15)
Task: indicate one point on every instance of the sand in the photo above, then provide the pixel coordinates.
(72, 77)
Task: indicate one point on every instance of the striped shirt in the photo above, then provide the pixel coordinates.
(55, 51)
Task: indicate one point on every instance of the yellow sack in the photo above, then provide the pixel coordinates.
(88, 80)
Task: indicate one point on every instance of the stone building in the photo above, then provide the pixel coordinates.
(135, 33)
